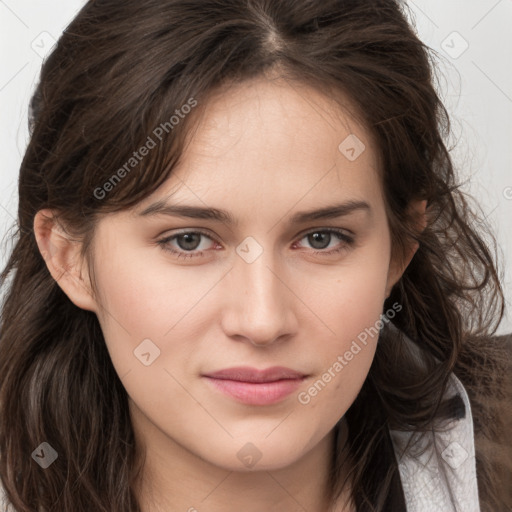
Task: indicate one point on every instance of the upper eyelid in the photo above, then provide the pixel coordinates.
(326, 228)
(298, 237)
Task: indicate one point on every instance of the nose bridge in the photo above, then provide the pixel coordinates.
(260, 304)
(261, 287)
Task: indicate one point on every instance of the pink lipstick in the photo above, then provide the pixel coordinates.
(256, 387)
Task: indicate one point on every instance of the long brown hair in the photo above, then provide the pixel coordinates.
(120, 70)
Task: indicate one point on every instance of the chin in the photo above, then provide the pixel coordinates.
(252, 455)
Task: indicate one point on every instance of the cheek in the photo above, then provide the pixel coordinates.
(350, 305)
(140, 286)
(347, 354)
(351, 298)
(142, 300)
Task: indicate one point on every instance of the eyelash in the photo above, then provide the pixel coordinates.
(347, 242)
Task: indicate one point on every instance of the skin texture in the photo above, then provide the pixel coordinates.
(264, 151)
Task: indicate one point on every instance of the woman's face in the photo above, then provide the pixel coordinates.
(293, 274)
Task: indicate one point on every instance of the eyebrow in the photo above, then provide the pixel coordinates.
(216, 214)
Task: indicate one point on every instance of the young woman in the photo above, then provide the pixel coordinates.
(244, 276)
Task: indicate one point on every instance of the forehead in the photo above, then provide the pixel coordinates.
(283, 113)
(274, 140)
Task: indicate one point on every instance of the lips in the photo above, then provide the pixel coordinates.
(256, 387)
(248, 374)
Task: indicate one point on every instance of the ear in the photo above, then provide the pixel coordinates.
(418, 211)
(62, 256)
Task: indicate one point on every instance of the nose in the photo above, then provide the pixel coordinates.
(261, 304)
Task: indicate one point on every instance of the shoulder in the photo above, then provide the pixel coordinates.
(438, 468)
(492, 416)
(467, 464)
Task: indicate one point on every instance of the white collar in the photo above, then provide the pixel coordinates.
(439, 472)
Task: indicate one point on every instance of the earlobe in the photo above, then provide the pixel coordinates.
(61, 254)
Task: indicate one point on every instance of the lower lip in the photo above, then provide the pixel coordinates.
(256, 393)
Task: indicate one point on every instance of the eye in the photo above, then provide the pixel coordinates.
(187, 243)
(321, 239)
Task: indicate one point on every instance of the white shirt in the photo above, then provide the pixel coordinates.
(439, 473)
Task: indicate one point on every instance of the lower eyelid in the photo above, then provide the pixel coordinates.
(345, 240)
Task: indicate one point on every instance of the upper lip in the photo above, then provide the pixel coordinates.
(248, 374)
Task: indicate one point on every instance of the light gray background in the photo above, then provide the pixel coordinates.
(473, 38)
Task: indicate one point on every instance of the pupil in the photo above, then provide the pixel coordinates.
(189, 242)
(315, 238)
